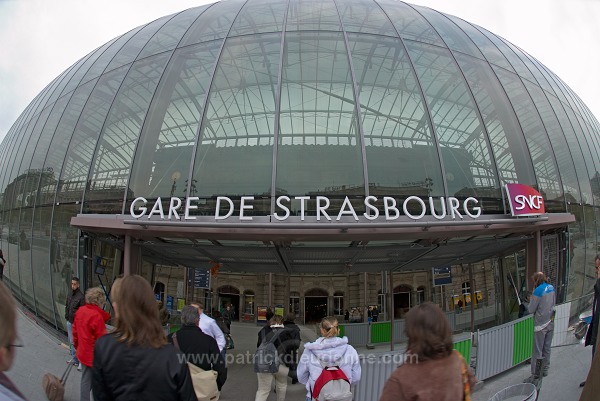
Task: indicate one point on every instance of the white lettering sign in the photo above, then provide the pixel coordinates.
(414, 207)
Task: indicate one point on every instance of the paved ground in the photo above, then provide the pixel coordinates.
(45, 351)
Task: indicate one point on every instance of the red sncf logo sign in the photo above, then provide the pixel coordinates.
(524, 200)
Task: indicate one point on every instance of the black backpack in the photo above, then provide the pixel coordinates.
(266, 357)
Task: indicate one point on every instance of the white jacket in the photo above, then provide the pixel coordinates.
(329, 350)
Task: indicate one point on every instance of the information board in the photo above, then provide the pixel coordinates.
(442, 275)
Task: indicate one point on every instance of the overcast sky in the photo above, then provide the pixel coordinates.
(40, 38)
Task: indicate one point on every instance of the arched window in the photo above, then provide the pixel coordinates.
(338, 303)
(228, 289)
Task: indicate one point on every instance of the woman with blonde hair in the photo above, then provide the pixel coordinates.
(327, 350)
(89, 325)
(134, 361)
(432, 370)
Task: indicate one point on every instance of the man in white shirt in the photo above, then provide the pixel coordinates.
(208, 326)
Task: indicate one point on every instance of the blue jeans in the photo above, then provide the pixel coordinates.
(71, 347)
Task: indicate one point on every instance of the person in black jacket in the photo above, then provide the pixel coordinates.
(284, 343)
(199, 348)
(294, 343)
(135, 361)
(75, 299)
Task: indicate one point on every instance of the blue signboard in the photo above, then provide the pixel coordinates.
(199, 277)
(169, 302)
(442, 275)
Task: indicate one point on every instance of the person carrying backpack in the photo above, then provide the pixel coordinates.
(329, 366)
(273, 358)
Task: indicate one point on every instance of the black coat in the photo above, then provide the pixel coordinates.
(75, 299)
(122, 372)
(592, 333)
(201, 350)
(294, 342)
(285, 343)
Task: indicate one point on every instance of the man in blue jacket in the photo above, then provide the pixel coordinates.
(541, 306)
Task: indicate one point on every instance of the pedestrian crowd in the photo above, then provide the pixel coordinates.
(120, 364)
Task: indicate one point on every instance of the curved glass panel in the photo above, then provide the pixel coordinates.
(131, 50)
(485, 46)
(44, 275)
(60, 141)
(114, 152)
(76, 165)
(454, 38)
(313, 15)
(85, 66)
(579, 157)
(239, 123)
(24, 219)
(260, 17)
(318, 146)
(409, 23)
(169, 35)
(558, 143)
(465, 155)
(213, 24)
(365, 17)
(537, 140)
(105, 58)
(63, 237)
(36, 175)
(513, 161)
(396, 126)
(164, 151)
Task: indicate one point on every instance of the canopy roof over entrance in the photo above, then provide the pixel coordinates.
(294, 248)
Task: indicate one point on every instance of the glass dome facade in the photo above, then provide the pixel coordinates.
(288, 97)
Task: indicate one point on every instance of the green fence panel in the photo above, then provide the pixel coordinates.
(523, 341)
(381, 332)
(464, 347)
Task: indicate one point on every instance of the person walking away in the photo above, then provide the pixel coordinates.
(2, 263)
(8, 343)
(269, 314)
(75, 300)
(209, 326)
(328, 350)
(375, 314)
(347, 316)
(281, 337)
(289, 322)
(228, 316)
(541, 306)
(591, 336)
(88, 326)
(135, 361)
(432, 370)
(199, 348)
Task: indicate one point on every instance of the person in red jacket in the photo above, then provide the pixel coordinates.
(88, 326)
